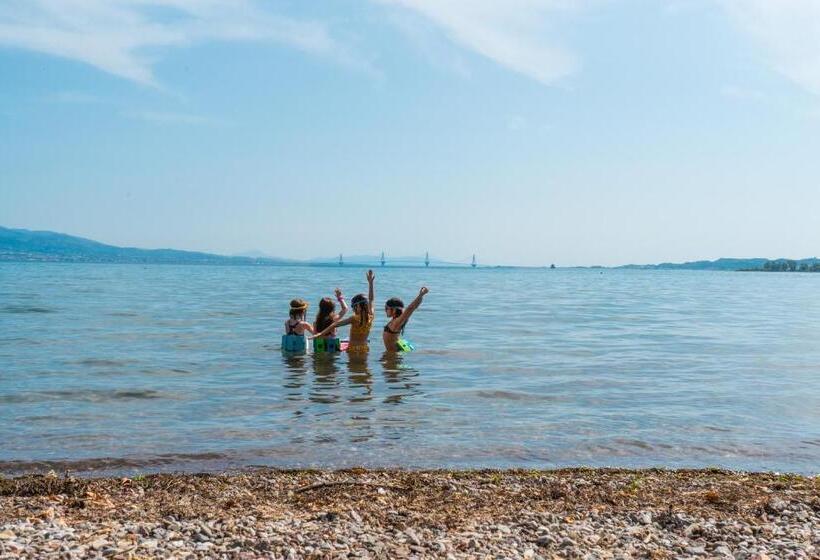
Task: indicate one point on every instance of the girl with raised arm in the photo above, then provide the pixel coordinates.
(361, 322)
(398, 317)
(325, 317)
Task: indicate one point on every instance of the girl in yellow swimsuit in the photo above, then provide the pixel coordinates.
(361, 321)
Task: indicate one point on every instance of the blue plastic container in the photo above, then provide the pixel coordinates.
(294, 343)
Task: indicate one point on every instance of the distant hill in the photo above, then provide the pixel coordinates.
(48, 246)
(720, 264)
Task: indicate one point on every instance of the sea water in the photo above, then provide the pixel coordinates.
(130, 368)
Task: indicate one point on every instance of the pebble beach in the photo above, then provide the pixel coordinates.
(577, 513)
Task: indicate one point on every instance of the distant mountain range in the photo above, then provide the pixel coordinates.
(48, 246)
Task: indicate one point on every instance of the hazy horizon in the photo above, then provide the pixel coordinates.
(418, 260)
(528, 132)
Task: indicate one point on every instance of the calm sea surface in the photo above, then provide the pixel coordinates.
(128, 368)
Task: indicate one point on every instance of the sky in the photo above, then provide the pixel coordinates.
(528, 132)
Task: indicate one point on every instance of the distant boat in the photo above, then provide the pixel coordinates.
(552, 266)
(341, 260)
(427, 259)
(474, 264)
(382, 261)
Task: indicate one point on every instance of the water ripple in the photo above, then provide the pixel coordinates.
(81, 395)
(22, 309)
(166, 367)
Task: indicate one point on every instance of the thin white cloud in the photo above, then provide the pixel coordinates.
(790, 32)
(516, 34)
(124, 37)
(426, 37)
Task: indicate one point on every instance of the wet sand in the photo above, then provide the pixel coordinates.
(576, 513)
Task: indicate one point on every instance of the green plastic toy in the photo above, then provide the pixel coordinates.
(326, 345)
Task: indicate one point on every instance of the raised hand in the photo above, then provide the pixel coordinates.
(370, 276)
(338, 293)
(423, 291)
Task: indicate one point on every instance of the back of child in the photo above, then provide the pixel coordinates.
(294, 338)
(360, 323)
(325, 318)
(362, 320)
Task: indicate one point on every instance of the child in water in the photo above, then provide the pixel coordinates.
(398, 317)
(361, 321)
(295, 327)
(327, 314)
(296, 324)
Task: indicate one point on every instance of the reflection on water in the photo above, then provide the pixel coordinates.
(402, 380)
(318, 378)
(333, 379)
(161, 367)
(326, 379)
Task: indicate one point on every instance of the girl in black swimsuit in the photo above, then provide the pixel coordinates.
(398, 317)
(296, 324)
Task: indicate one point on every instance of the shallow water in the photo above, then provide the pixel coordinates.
(128, 368)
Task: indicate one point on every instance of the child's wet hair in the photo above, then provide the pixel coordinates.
(361, 307)
(396, 305)
(326, 315)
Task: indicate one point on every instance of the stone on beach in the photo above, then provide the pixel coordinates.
(580, 513)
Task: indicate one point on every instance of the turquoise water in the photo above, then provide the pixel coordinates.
(128, 368)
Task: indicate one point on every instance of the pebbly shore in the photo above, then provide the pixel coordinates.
(577, 513)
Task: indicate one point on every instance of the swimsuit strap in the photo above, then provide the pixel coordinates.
(291, 327)
(387, 329)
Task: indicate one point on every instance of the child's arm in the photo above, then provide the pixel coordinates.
(405, 316)
(371, 290)
(308, 327)
(287, 325)
(341, 299)
(332, 326)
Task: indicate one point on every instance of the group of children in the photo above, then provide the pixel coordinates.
(323, 329)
